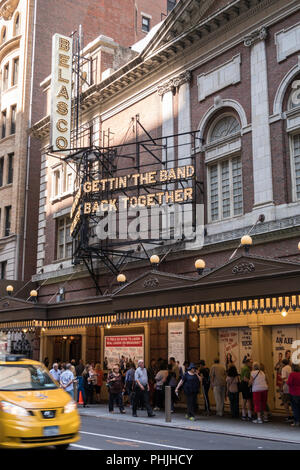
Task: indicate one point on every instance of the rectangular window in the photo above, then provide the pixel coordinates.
(13, 114)
(145, 24)
(5, 77)
(3, 124)
(170, 5)
(1, 170)
(15, 74)
(296, 157)
(56, 190)
(7, 221)
(64, 239)
(3, 266)
(225, 189)
(10, 169)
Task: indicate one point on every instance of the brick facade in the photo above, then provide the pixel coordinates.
(149, 108)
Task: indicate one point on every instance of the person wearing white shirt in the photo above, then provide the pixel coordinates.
(55, 372)
(259, 384)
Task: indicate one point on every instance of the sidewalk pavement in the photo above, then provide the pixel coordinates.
(275, 430)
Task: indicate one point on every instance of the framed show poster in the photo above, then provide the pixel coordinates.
(176, 341)
(125, 348)
(235, 344)
(283, 338)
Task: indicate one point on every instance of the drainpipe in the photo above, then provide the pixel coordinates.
(29, 140)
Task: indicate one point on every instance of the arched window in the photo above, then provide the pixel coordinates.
(294, 98)
(293, 126)
(224, 170)
(3, 35)
(17, 25)
(224, 127)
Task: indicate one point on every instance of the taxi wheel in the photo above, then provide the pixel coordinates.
(62, 447)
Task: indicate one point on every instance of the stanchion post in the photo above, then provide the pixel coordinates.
(168, 404)
(75, 389)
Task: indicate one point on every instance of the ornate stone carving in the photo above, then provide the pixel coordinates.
(151, 283)
(243, 268)
(174, 83)
(8, 8)
(258, 35)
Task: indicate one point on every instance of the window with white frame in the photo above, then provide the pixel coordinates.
(64, 239)
(225, 189)
(295, 148)
(63, 178)
(224, 174)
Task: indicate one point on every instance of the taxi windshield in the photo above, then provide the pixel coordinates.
(16, 377)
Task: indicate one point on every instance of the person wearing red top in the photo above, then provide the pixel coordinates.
(294, 390)
(99, 373)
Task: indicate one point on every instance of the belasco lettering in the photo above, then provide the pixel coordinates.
(61, 89)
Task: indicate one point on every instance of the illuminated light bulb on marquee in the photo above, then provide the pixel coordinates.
(284, 313)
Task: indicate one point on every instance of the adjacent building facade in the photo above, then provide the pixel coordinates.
(217, 83)
(26, 29)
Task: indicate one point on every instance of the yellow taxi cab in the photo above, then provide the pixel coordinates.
(34, 410)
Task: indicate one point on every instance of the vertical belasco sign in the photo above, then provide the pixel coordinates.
(61, 93)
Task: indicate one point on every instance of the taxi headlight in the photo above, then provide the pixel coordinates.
(13, 409)
(69, 407)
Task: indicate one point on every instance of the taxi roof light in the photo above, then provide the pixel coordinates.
(12, 357)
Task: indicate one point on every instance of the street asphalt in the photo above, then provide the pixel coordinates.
(277, 430)
(118, 434)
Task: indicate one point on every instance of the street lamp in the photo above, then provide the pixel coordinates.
(154, 260)
(9, 290)
(33, 295)
(200, 265)
(121, 279)
(246, 242)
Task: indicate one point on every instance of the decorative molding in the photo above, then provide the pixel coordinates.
(257, 35)
(229, 73)
(8, 8)
(281, 90)
(228, 103)
(174, 83)
(243, 268)
(287, 42)
(151, 283)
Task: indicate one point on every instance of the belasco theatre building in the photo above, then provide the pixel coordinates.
(203, 120)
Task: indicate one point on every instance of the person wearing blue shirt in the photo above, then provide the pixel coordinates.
(66, 380)
(55, 372)
(141, 389)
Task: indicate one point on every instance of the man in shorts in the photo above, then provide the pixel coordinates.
(246, 390)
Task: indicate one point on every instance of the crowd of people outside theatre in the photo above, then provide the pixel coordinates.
(132, 384)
